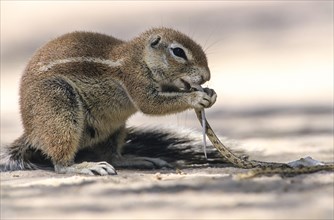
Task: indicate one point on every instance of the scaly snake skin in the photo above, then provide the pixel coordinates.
(258, 167)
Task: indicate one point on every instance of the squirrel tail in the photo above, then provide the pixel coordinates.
(21, 156)
(180, 149)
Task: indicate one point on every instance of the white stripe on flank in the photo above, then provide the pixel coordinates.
(109, 63)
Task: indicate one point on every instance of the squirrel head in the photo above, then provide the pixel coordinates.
(174, 58)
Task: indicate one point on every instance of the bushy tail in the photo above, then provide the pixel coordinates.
(179, 148)
(20, 156)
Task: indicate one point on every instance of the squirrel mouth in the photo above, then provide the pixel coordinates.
(183, 85)
(186, 85)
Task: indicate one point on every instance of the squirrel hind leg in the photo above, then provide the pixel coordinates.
(57, 121)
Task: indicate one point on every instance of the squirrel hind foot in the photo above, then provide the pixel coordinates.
(87, 168)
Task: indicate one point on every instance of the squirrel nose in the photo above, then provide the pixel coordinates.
(206, 74)
(206, 77)
(202, 80)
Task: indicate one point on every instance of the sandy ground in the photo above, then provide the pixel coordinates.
(193, 193)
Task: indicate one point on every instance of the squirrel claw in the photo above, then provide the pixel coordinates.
(88, 168)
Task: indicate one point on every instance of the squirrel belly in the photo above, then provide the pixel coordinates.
(79, 89)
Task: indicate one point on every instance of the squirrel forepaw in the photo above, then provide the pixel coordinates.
(202, 99)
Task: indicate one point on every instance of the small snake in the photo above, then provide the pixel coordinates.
(257, 167)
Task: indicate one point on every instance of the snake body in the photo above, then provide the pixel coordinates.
(257, 167)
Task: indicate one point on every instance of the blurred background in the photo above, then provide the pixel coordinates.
(271, 61)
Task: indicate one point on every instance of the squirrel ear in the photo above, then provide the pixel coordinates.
(154, 41)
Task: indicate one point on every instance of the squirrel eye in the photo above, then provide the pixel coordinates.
(179, 52)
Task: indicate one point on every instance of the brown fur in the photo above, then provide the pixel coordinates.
(69, 105)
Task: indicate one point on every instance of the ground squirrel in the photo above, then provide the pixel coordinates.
(78, 91)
